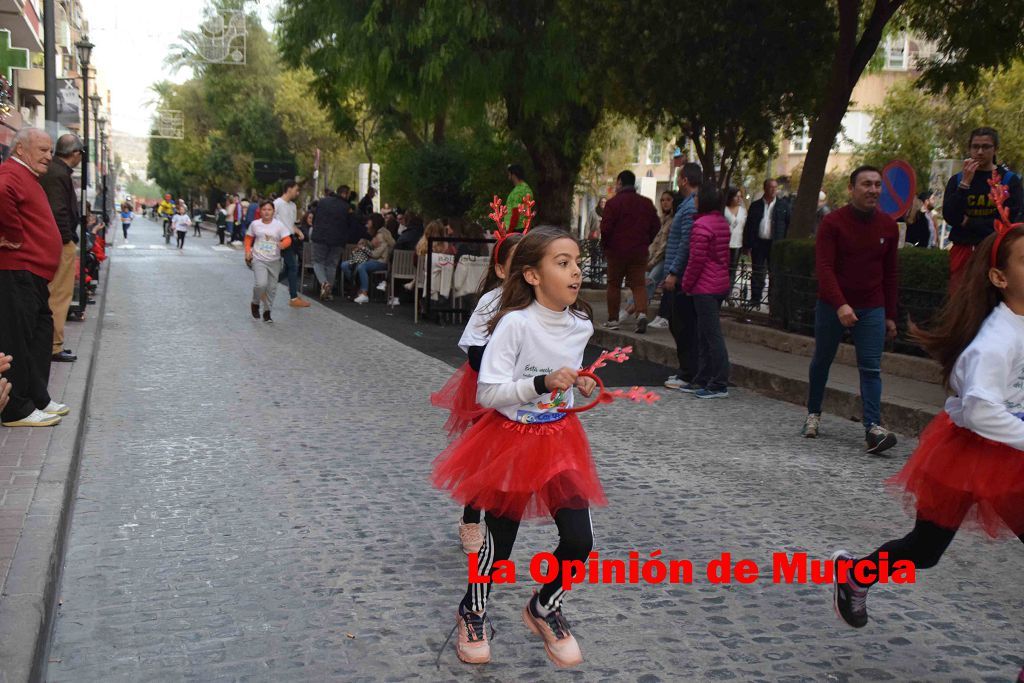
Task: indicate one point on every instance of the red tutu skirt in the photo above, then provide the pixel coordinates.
(458, 396)
(956, 477)
(520, 471)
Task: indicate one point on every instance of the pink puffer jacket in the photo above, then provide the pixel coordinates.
(707, 271)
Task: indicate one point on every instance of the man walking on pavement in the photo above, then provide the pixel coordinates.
(683, 321)
(30, 250)
(330, 232)
(857, 266)
(767, 221)
(286, 213)
(629, 225)
(61, 193)
(966, 204)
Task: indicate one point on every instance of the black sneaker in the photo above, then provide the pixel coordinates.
(266, 317)
(850, 600)
(879, 439)
(641, 325)
(255, 308)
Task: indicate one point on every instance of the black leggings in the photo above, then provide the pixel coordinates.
(181, 238)
(575, 540)
(124, 229)
(923, 546)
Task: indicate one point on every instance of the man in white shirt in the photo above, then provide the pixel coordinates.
(767, 221)
(285, 211)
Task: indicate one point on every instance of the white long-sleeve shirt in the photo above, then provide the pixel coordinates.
(527, 343)
(475, 333)
(988, 379)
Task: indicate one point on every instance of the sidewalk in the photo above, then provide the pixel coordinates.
(37, 475)
(907, 404)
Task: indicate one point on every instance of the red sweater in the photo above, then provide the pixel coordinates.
(26, 219)
(629, 224)
(856, 260)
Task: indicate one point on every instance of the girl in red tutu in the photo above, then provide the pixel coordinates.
(525, 458)
(969, 464)
(458, 395)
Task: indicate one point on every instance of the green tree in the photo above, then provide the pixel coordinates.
(425, 68)
(904, 127)
(719, 86)
(972, 35)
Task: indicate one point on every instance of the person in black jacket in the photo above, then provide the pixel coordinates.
(410, 237)
(60, 191)
(332, 230)
(966, 204)
(920, 229)
(760, 231)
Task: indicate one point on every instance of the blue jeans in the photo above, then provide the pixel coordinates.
(363, 270)
(291, 268)
(654, 277)
(868, 339)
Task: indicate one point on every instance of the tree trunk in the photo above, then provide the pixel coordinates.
(851, 58)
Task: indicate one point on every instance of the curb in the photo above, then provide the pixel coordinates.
(899, 417)
(27, 607)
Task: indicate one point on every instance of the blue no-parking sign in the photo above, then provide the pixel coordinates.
(899, 186)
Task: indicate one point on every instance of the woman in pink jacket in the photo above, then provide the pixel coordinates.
(707, 280)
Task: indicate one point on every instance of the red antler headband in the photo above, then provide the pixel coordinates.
(999, 194)
(499, 211)
(618, 355)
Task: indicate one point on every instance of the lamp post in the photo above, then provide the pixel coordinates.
(84, 48)
(101, 168)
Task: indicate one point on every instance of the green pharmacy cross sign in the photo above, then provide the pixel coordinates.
(11, 57)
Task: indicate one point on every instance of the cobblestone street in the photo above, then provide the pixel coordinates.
(254, 504)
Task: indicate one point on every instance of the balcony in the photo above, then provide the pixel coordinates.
(22, 20)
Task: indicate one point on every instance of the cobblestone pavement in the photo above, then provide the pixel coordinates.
(254, 505)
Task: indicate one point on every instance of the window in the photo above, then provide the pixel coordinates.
(654, 152)
(896, 53)
(855, 131)
(636, 151)
(800, 141)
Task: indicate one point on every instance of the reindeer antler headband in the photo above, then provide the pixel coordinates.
(499, 211)
(999, 194)
(617, 355)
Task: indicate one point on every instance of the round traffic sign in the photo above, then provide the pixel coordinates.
(899, 185)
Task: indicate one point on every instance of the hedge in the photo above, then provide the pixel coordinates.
(924, 274)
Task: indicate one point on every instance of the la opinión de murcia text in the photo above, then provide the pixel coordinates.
(785, 568)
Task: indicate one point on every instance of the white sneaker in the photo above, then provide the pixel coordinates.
(382, 286)
(36, 418)
(674, 382)
(611, 325)
(658, 323)
(362, 299)
(394, 301)
(409, 285)
(54, 408)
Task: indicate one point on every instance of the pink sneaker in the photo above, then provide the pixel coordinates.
(471, 536)
(559, 643)
(472, 646)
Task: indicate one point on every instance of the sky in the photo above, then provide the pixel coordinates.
(132, 38)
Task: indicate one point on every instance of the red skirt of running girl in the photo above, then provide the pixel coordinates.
(458, 396)
(521, 471)
(956, 477)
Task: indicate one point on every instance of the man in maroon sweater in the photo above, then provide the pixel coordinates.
(629, 224)
(858, 279)
(30, 247)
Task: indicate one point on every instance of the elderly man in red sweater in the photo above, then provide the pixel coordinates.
(858, 279)
(30, 247)
(629, 224)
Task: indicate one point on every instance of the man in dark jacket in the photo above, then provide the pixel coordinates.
(966, 204)
(60, 192)
(628, 226)
(767, 221)
(331, 232)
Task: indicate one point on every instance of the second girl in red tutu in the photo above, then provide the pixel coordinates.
(969, 464)
(525, 458)
(458, 395)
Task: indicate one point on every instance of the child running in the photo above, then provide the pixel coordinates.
(969, 464)
(525, 459)
(180, 222)
(459, 394)
(264, 241)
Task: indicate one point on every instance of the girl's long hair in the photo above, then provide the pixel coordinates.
(500, 257)
(964, 312)
(517, 293)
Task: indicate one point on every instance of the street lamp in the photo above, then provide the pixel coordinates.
(84, 48)
(101, 164)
